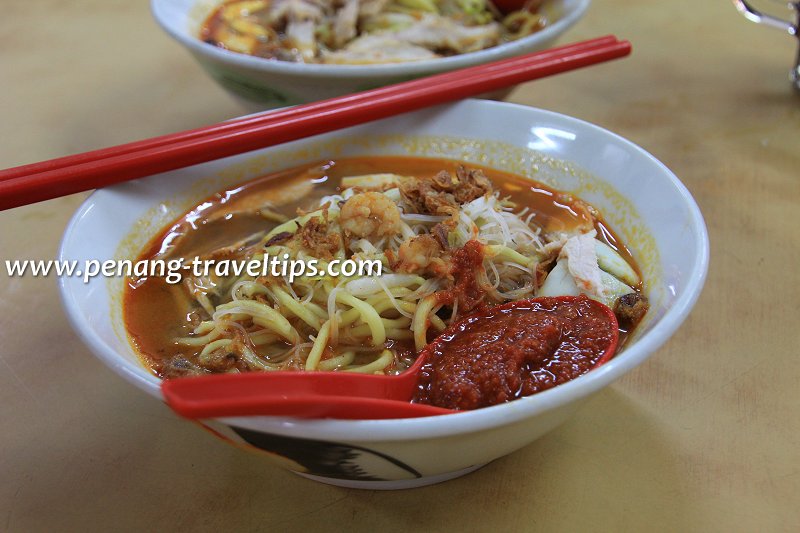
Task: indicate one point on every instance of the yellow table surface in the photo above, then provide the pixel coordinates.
(704, 436)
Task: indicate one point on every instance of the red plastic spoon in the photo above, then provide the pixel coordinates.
(343, 395)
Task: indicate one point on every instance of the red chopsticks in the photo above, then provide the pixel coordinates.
(66, 175)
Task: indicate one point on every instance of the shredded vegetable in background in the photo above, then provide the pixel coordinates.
(365, 31)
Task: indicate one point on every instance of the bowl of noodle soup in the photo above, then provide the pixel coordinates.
(650, 211)
(262, 83)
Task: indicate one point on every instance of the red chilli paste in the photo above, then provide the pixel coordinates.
(502, 353)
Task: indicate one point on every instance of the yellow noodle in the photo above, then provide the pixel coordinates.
(421, 321)
(368, 315)
(437, 322)
(339, 361)
(255, 361)
(264, 316)
(386, 359)
(295, 307)
(263, 337)
(200, 341)
(212, 346)
(363, 330)
(320, 343)
(204, 327)
(400, 334)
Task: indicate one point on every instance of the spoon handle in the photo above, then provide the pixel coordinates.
(300, 394)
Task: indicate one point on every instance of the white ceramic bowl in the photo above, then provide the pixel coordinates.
(261, 84)
(648, 206)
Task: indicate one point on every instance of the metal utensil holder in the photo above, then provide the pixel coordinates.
(790, 27)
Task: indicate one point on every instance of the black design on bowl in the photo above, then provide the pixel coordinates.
(331, 459)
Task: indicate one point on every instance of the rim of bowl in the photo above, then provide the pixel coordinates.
(461, 422)
(381, 69)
